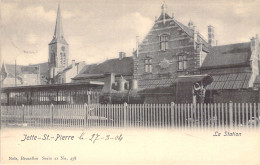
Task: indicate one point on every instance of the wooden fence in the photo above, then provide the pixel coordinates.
(218, 115)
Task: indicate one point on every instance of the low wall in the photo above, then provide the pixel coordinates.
(238, 96)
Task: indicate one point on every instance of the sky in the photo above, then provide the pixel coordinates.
(97, 30)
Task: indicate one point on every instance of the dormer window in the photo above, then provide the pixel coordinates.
(164, 42)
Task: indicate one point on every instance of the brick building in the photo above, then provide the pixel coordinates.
(170, 49)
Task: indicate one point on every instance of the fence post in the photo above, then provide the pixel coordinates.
(231, 115)
(51, 119)
(86, 115)
(172, 113)
(89, 95)
(23, 113)
(125, 111)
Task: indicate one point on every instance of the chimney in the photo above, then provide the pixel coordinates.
(134, 84)
(121, 84)
(253, 43)
(109, 81)
(137, 46)
(211, 37)
(121, 55)
(195, 36)
(190, 24)
(73, 63)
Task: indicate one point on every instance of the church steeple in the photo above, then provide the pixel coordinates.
(58, 50)
(58, 32)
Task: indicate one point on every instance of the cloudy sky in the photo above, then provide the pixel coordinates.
(97, 30)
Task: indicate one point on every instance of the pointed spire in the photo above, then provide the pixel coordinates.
(58, 28)
(58, 32)
(3, 72)
(164, 8)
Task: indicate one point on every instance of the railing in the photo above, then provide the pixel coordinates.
(218, 115)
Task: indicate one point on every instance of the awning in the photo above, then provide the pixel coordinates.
(204, 79)
(230, 81)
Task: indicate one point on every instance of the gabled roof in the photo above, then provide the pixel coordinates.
(228, 55)
(186, 29)
(118, 66)
(29, 69)
(67, 68)
(3, 72)
(10, 69)
(166, 17)
(190, 32)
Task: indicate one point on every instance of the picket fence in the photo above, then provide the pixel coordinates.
(217, 115)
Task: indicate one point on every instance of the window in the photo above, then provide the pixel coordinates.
(164, 42)
(53, 58)
(148, 65)
(182, 62)
(62, 58)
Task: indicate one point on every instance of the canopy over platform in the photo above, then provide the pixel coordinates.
(204, 79)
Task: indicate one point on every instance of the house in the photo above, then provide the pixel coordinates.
(121, 66)
(25, 75)
(66, 75)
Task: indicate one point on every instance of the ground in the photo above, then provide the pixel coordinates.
(127, 146)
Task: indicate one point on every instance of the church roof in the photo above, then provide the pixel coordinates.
(58, 36)
(228, 55)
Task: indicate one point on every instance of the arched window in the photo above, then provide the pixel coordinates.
(164, 42)
(61, 58)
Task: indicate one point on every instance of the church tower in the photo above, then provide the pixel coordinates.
(58, 50)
